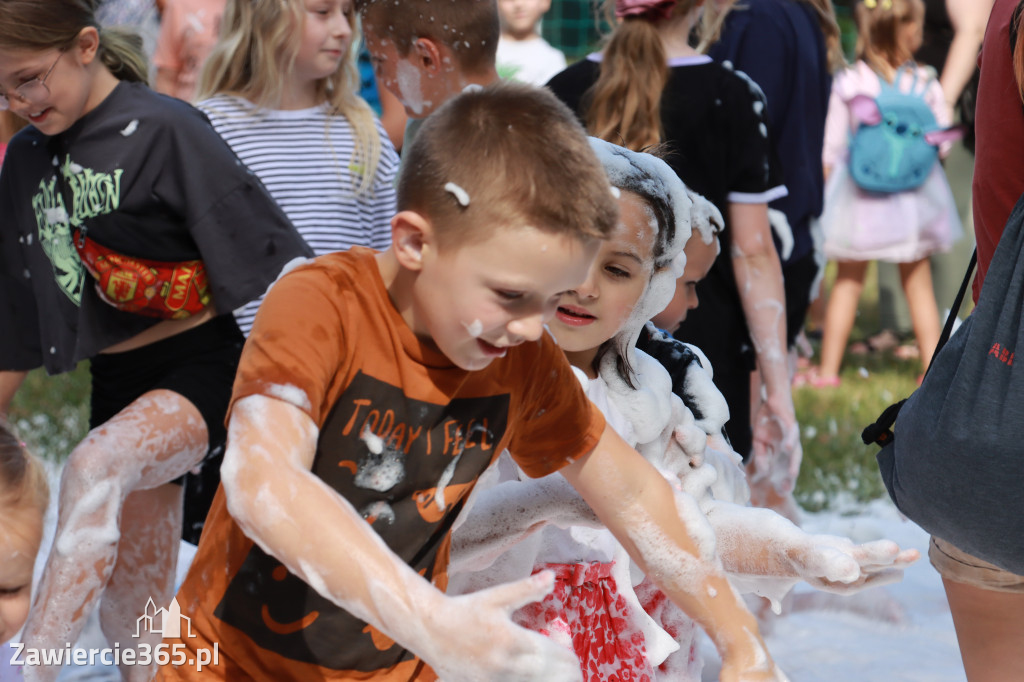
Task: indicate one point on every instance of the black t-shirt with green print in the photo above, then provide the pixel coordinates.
(147, 176)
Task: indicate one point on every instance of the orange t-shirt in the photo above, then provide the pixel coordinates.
(328, 340)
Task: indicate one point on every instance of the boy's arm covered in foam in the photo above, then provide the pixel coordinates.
(668, 537)
(275, 498)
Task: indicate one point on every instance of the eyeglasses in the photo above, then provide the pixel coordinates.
(31, 92)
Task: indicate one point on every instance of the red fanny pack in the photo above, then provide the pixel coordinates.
(154, 288)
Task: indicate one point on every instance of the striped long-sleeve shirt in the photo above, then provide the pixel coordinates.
(304, 158)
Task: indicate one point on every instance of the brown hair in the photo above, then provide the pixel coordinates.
(624, 104)
(878, 29)
(253, 59)
(22, 477)
(469, 28)
(55, 24)
(518, 154)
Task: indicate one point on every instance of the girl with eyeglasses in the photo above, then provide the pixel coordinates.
(130, 233)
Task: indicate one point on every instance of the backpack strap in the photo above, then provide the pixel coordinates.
(880, 431)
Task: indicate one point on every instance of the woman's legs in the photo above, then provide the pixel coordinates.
(924, 313)
(840, 313)
(990, 630)
(154, 440)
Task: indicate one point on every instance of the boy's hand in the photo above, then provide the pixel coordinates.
(835, 564)
(475, 638)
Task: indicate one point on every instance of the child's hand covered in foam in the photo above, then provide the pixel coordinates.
(475, 638)
(835, 564)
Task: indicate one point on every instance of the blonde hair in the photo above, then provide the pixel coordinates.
(254, 57)
(505, 155)
(22, 477)
(469, 28)
(878, 31)
(56, 24)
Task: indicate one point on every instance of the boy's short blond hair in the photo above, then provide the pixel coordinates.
(506, 155)
(469, 28)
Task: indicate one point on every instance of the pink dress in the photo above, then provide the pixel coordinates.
(900, 227)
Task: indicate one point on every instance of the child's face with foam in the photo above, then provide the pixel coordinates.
(699, 259)
(419, 89)
(21, 531)
(476, 300)
(595, 311)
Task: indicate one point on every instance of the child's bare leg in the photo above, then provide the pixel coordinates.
(840, 313)
(146, 559)
(155, 439)
(924, 312)
(989, 629)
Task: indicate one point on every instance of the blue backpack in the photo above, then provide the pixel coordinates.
(894, 148)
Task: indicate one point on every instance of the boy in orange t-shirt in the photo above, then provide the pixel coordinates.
(374, 390)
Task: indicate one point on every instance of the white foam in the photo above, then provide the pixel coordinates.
(461, 195)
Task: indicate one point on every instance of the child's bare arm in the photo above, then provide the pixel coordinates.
(776, 445)
(675, 547)
(275, 498)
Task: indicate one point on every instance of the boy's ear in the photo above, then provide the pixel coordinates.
(410, 233)
(428, 53)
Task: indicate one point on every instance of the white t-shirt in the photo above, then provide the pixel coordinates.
(531, 61)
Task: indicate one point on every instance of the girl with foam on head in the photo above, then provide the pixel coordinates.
(129, 227)
(281, 87)
(648, 85)
(617, 622)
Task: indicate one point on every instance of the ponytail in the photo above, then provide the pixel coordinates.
(122, 53)
(624, 105)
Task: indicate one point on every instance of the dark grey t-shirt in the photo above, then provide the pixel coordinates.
(147, 176)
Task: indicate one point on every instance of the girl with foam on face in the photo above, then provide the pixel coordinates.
(129, 228)
(618, 623)
(649, 85)
(282, 89)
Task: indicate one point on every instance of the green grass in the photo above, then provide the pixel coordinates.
(837, 465)
(52, 413)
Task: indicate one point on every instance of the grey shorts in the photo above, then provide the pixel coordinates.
(959, 566)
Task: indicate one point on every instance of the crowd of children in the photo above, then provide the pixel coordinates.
(452, 444)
